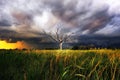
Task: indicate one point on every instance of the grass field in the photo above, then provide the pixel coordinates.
(60, 65)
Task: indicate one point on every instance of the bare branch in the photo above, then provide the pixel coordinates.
(49, 35)
(68, 36)
(52, 37)
(57, 34)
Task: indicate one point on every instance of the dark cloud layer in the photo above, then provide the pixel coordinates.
(27, 18)
(4, 23)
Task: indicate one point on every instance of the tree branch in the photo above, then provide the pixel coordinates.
(66, 37)
(57, 35)
(50, 35)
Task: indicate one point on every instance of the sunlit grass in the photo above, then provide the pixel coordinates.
(100, 64)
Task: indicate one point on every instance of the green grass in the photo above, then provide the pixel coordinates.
(60, 65)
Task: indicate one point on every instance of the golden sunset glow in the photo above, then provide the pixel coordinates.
(18, 45)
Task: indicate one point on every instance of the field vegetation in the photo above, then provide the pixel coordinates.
(100, 64)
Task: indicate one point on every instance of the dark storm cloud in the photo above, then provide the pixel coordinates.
(97, 21)
(68, 11)
(116, 23)
(22, 18)
(4, 23)
(77, 13)
(27, 18)
(112, 28)
(89, 20)
(5, 19)
(7, 34)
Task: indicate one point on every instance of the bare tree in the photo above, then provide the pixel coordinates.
(59, 36)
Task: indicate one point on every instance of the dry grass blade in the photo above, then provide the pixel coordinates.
(93, 69)
(65, 73)
(114, 72)
(80, 75)
(79, 67)
(101, 71)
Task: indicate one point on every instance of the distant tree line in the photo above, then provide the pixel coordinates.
(84, 47)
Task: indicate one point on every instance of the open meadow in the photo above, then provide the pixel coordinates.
(100, 64)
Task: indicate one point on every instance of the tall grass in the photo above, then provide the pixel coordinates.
(60, 65)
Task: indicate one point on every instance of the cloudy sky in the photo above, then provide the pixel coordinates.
(21, 19)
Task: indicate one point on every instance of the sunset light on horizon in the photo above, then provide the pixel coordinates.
(17, 45)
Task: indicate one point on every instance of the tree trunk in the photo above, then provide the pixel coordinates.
(61, 45)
